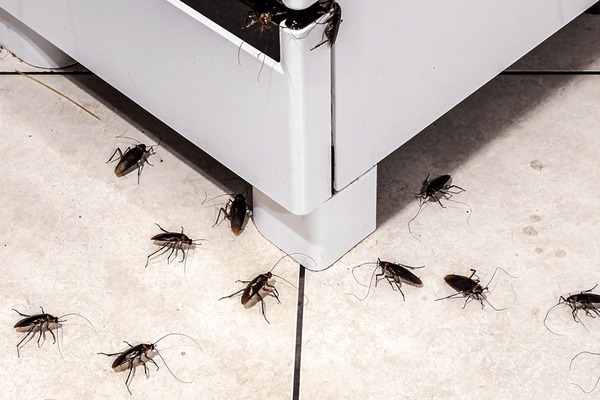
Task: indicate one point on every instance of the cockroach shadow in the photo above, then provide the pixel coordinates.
(584, 300)
(396, 274)
(435, 190)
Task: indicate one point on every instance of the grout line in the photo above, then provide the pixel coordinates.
(299, 321)
(48, 73)
(549, 72)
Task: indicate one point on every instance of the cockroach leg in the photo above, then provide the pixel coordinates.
(584, 300)
(333, 25)
(236, 211)
(133, 157)
(470, 288)
(40, 323)
(394, 273)
(173, 241)
(140, 353)
(255, 288)
(431, 191)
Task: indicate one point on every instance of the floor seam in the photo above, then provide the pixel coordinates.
(550, 72)
(58, 73)
(299, 323)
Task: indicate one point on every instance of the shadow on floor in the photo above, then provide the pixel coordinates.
(439, 149)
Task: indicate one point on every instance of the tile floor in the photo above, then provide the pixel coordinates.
(75, 239)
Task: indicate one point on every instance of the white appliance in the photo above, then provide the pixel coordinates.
(306, 131)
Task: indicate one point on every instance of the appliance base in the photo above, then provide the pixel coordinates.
(328, 232)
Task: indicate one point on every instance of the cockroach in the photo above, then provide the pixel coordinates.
(260, 284)
(235, 211)
(441, 184)
(584, 300)
(394, 273)
(173, 241)
(430, 192)
(41, 323)
(597, 380)
(140, 354)
(333, 25)
(133, 157)
(254, 288)
(265, 13)
(265, 19)
(469, 288)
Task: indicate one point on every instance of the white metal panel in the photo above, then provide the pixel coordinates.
(400, 65)
(32, 48)
(298, 4)
(270, 123)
